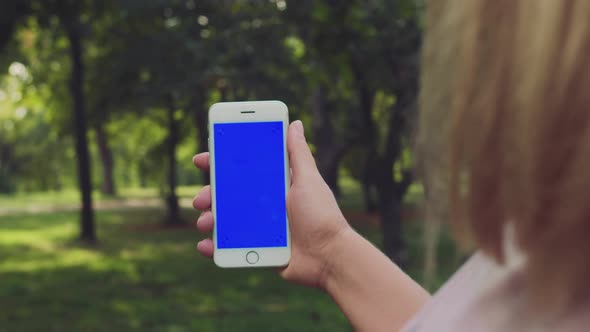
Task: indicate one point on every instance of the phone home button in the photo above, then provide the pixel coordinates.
(252, 257)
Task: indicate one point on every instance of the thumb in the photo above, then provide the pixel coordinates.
(300, 157)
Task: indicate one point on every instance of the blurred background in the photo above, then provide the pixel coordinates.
(103, 103)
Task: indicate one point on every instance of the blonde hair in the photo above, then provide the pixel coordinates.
(511, 80)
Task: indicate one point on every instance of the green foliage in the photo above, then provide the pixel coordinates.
(27, 140)
(142, 54)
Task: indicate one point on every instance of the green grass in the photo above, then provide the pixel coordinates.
(139, 279)
(149, 279)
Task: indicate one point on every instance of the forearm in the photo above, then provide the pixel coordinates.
(372, 292)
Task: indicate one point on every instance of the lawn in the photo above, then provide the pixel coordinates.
(151, 279)
(139, 279)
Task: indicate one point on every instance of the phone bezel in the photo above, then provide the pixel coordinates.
(251, 111)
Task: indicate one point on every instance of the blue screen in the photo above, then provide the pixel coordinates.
(250, 185)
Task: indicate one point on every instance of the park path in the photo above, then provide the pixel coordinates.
(105, 205)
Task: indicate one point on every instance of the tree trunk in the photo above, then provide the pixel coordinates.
(201, 124)
(87, 230)
(366, 97)
(328, 152)
(172, 141)
(370, 166)
(106, 157)
(367, 184)
(391, 192)
(391, 223)
(328, 165)
(204, 147)
(390, 195)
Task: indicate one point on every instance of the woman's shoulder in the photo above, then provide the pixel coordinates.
(484, 296)
(450, 302)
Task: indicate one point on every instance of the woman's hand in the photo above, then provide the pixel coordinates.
(372, 292)
(316, 223)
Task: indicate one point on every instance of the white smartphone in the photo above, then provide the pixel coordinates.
(249, 183)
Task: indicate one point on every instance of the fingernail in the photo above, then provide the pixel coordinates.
(298, 125)
(200, 217)
(198, 244)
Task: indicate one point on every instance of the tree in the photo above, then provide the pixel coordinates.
(323, 28)
(172, 143)
(106, 157)
(165, 83)
(360, 51)
(400, 43)
(244, 55)
(69, 16)
(199, 109)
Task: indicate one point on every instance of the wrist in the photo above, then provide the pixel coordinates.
(334, 252)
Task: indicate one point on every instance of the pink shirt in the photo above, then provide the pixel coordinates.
(485, 297)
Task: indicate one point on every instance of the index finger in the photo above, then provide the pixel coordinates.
(202, 161)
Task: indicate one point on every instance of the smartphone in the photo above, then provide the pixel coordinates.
(249, 183)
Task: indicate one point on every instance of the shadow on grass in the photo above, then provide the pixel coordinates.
(84, 299)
